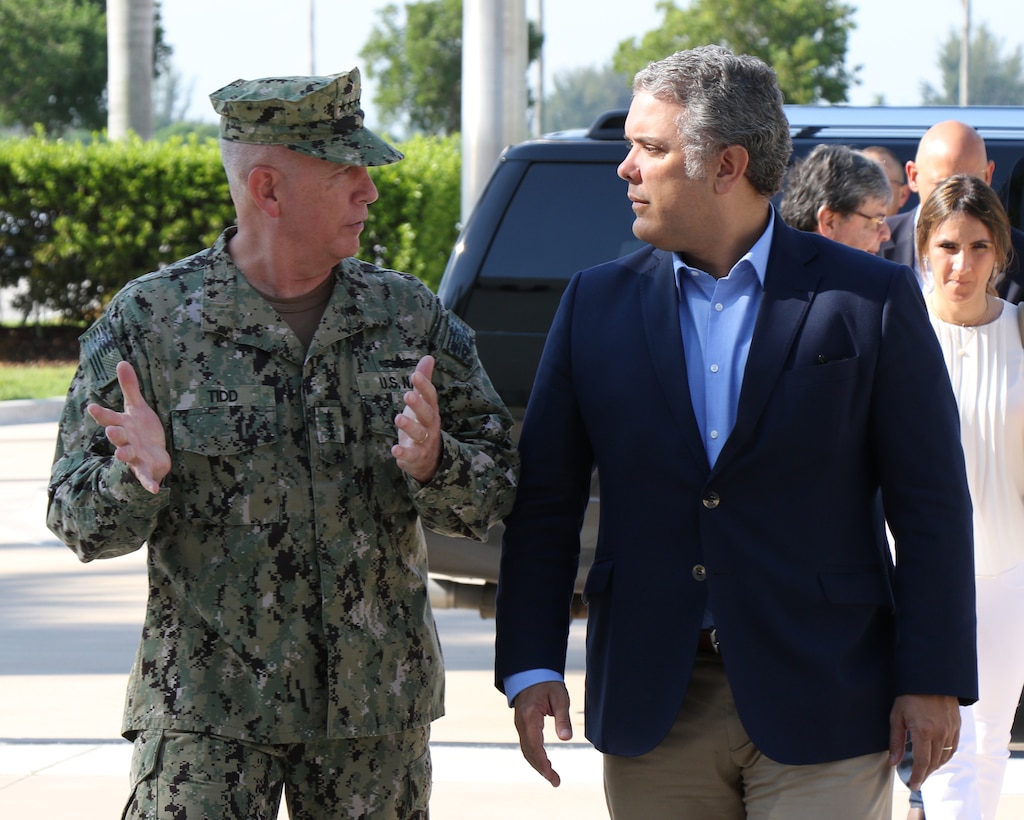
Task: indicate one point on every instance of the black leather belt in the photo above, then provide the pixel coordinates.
(708, 642)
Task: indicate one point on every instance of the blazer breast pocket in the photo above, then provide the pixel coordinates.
(823, 373)
(819, 403)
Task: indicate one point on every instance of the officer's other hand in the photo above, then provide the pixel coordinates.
(418, 451)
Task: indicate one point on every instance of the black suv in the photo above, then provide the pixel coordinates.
(555, 205)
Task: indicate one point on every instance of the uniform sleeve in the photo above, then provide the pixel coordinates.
(96, 505)
(475, 483)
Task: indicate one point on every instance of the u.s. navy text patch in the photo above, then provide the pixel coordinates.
(458, 341)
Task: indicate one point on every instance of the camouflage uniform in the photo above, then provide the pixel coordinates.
(287, 565)
(288, 638)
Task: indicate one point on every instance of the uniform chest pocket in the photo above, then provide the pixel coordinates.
(226, 463)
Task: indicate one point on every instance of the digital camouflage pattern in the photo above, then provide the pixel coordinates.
(319, 116)
(287, 563)
(176, 774)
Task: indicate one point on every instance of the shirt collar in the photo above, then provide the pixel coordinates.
(756, 257)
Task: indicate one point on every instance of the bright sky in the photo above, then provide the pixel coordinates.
(218, 41)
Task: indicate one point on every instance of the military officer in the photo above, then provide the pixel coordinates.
(276, 420)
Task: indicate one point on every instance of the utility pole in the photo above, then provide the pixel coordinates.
(130, 35)
(494, 46)
(965, 55)
(538, 108)
(312, 39)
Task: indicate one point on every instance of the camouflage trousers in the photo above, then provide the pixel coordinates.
(190, 776)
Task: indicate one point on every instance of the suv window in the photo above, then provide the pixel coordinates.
(583, 204)
(561, 217)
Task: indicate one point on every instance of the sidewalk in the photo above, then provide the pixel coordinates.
(68, 634)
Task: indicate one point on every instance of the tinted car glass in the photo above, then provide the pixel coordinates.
(561, 218)
(594, 226)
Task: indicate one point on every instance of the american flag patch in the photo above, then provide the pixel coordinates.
(100, 354)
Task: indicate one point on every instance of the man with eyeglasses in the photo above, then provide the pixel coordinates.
(839, 193)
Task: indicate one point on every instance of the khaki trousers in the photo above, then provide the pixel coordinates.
(707, 768)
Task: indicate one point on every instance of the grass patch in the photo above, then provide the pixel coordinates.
(35, 381)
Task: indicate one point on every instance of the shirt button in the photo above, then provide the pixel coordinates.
(714, 368)
(700, 573)
(712, 500)
(719, 307)
(714, 434)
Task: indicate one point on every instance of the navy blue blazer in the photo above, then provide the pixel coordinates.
(902, 246)
(844, 394)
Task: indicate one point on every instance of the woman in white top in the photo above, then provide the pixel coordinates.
(963, 236)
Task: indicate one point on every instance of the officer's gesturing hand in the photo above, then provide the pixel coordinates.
(136, 432)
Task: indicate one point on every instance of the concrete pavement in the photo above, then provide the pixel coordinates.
(68, 633)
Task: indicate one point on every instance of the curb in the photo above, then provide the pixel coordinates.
(31, 411)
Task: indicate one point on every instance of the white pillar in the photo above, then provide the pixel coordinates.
(494, 45)
(130, 35)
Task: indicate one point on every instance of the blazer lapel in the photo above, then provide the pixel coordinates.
(660, 306)
(789, 288)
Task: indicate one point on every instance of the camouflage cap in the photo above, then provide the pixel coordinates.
(319, 116)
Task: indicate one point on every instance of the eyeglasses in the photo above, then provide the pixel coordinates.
(878, 220)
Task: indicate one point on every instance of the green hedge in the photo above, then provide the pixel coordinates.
(78, 220)
(414, 224)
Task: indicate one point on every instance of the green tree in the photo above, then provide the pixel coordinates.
(994, 79)
(417, 63)
(581, 94)
(415, 55)
(805, 41)
(171, 99)
(53, 58)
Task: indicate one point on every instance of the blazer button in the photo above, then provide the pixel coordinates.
(700, 573)
(711, 500)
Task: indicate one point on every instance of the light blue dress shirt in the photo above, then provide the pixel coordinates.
(716, 318)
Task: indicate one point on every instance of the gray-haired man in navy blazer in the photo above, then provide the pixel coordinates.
(749, 395)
